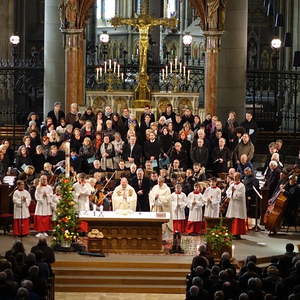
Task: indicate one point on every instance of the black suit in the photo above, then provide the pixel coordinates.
(272, 179)
(136, 153)
(51, 115)
(142, 200)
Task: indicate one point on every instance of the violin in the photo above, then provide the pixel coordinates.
(100, 195)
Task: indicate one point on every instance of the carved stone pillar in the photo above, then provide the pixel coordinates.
(74, 66)
(213, 40)
(73, 16)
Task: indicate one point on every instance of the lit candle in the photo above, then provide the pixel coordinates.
(166, 71)
(171, 67)
(118, 70)
(232, 251)
(189, 73)
(163, 74)
(115, 66)
(67, 159)
(100, 71)
(183, 71)
(109, 63)
(97, 73)
(180, 67)
(176, 63)
(122, 76)
(105, 67)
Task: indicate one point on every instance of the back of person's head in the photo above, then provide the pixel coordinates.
(27, 284)
(9, 274)
(194, 291)
(219, 295)
(30, 259)
(39, 256)
(199, 270)
(252, 258)
(251, 266)
(243, 296)
(289, 247)
(3, 276)
(22, 294)
(42, 241)
(268, 297)
(18, 247)
(33, 271)
(272, 270)
(254, 283)
(4, 264)
(197, 281)
(215, 270)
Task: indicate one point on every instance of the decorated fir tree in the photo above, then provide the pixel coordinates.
(65, 230)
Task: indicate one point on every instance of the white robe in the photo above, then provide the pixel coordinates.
(81, 196)
(124, 199)
(178, 202)
(43, 204)
(162, 203)
(195, 203)
(237, 204)
(212, 200)
(21, 210)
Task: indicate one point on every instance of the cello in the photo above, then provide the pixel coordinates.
(275, 210)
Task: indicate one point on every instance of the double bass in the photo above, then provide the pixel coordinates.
(275, 210)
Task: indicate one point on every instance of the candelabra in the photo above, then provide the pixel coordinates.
(109, 74)
(176, 73)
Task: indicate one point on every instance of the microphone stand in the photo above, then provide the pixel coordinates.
(21, 219)
(258, 195)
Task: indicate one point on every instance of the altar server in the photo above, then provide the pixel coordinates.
(124, 197)
(160, 197)
(21, 199)
(195, 202)
(237, 206)
(178, 202)
(212, 200)
(43, 211)
(82, 191)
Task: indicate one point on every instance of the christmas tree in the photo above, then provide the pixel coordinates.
(65, 230)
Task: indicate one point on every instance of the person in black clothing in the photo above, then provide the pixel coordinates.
(56, 114)
(220, 157)
(180, 154)
(55, 156)
(187, 116)
(48, 253)
(147, 111)
(272, 178)
(169, 114)
(76, 140)
(141, 185)
(250, 127)
(132, 152)
(292, 192)
(38, 159)
(165, 141)
(75, 161)
(230, 129)
(177, 124)
(152, 148)
(153, 180)
(89, 115)
(23, 159)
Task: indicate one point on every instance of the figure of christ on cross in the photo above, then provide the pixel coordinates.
(143, 23)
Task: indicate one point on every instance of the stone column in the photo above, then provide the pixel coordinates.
(231, 85)
(54, 77)
(7, 27)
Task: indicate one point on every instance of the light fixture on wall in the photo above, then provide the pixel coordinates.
(14, 40)
(104, 37)
(276, 43)
(187, 39)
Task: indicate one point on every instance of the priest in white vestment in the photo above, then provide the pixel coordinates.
(124, 197)
(237, 206)
(160, 197)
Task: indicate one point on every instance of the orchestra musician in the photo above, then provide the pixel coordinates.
(237, 206)
(21, 199)
(43, 210)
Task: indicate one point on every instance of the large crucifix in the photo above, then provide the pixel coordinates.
(144, 22)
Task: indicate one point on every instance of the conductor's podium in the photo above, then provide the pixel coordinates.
(138, 232)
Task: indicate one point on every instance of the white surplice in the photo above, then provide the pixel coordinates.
(212, 200)
(237, 203)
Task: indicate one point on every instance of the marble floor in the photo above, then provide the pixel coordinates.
(116, 296)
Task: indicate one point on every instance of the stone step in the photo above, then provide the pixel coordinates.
(101, 288)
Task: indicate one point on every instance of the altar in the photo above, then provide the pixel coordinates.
(138, 232)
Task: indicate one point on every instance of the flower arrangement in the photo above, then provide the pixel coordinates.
(219, 239)
(65, 230)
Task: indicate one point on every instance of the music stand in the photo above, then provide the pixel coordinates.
(258, 195)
